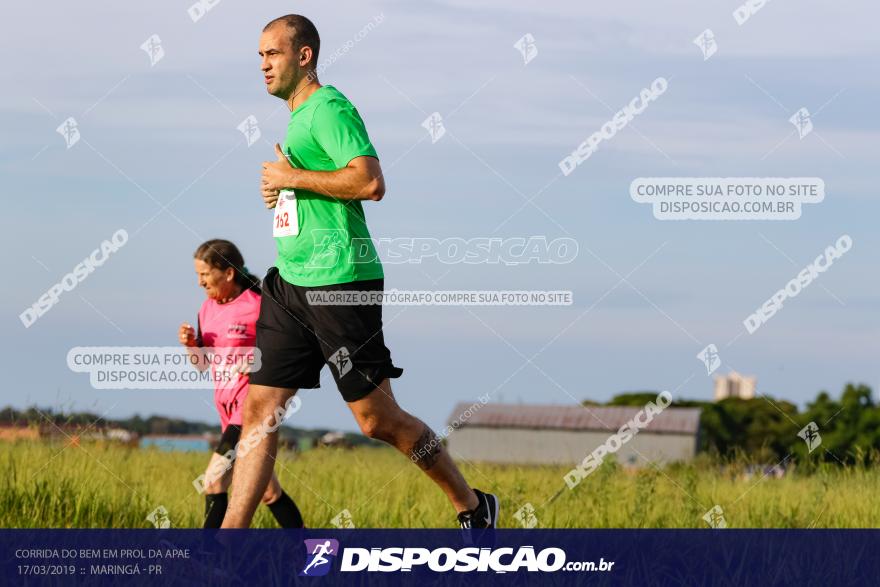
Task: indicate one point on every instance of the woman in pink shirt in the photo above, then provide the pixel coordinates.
(227, 324)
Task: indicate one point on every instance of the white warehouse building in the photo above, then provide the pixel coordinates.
(564, 435)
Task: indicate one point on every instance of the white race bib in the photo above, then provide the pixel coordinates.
(285, 222)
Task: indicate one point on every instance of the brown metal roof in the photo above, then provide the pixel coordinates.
(604, 418)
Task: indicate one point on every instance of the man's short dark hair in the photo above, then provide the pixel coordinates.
(302, 33)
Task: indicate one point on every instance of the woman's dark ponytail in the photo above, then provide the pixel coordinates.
(247, 280)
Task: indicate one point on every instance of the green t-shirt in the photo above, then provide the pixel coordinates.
(333, 245)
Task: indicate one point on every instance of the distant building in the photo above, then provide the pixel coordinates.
(120, 435)
(336, 439)
(564, 435)
(734, 385)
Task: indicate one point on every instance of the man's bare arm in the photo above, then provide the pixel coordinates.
(361, 179)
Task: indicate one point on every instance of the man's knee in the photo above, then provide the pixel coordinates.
(385, 426)
(374, 427)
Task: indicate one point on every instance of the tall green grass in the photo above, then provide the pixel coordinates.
(106, 485)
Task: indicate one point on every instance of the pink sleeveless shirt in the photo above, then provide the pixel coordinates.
(227, 326)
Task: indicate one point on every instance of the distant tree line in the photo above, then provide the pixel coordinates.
(765, 429)
(153, 425)
(137, 424)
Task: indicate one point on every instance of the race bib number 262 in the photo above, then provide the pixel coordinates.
(285, 222)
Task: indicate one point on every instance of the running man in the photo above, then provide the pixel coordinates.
(330, 163)
(320, 559)
(227, 320)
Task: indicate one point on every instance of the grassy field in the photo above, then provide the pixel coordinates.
(106, 485)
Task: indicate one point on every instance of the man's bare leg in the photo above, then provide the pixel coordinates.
(253, 469)
(380, 417)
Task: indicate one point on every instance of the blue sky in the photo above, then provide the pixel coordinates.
(167, 134)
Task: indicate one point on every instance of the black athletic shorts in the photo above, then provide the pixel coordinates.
(228, 439)
(296, 339)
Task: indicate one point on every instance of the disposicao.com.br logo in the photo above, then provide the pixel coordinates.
(321, 553)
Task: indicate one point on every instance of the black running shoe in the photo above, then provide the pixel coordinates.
(485, 515)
